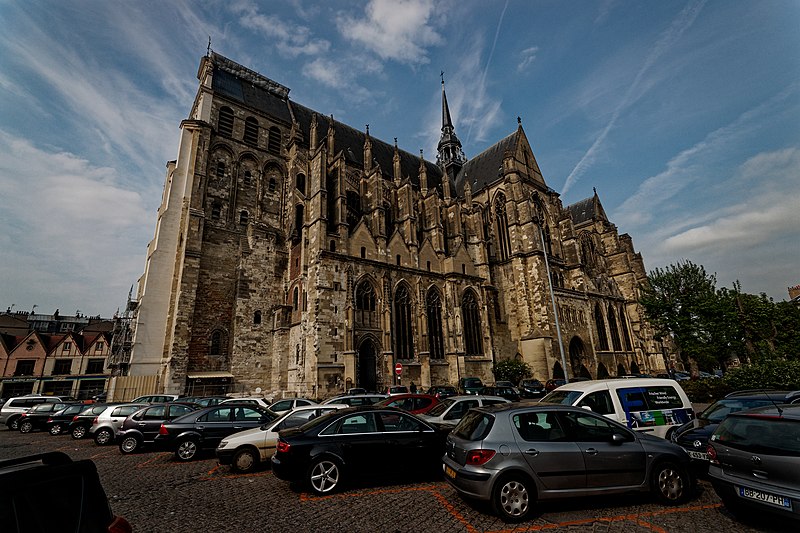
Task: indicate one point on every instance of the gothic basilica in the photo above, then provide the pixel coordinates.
(294, 254)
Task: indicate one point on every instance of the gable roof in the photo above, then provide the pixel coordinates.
(486, 167)
(587, 210)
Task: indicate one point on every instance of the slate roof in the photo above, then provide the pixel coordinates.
(587, 210)
(485, 168)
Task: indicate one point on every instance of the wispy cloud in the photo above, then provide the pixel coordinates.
(289, 39)
(337, 75)
(527, 57)
(667, 40)
(398, 30)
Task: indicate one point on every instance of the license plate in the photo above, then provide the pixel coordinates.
(449, 472)
(766, 497)
(698, 455)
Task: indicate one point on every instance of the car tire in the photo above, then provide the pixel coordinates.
(668, 435)
(325, 476)
(103, 437)
(513, 497)
(245, 460)
(129, 445)
(55, 429)
(78, 432)
(186, 450)
(13, 423)
(671, 483)
(25, 427)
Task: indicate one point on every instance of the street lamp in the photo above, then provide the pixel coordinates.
(538, 218)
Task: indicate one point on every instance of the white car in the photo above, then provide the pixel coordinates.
(450, 410)
(245, 450)
(249, 400)
(287, 404)
(106, 425)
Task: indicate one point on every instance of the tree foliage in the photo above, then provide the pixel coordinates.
(711, 326)
(513, 370)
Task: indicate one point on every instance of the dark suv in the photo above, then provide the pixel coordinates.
(755, 460)
(141, 428)
(693, 436)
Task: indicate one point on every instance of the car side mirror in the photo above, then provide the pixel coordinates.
(587, 408)
(618, 438)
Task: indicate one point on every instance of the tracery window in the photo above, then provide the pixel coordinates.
(225, 124)
(600, 323)
(251, 130)
(470, 314)
(433, 304)
(403, 333)
(366, 315)
(612, 325)
(501, 223)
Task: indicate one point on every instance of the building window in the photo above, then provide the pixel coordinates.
(501, 222)
(366, 316)
(272, 185)
(299, 218)
(397, 259)
(274, 142)
(600, 323)
(333, 246)
(248, 177)
(251, 130)
(217, 343)
(363, 252)
(626, 336)
(353, 209)
(25, 367)
(403, 332)
(62, 367)
(428, 265)
(66, 347)
(433, 305)
(612, 325)
(257, 317)
(295, 299)
(98, 347)
(300, 183)
(225, 124)
(244, 217)
(220, 169)
(96, 366)
(473, 342)
(216, 209)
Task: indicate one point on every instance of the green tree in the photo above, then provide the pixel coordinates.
(512, 370)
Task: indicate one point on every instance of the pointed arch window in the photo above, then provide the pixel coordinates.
(300, 183)
(257, 318)
(403, 332)
(251, 130)
(600, 323)
(612, 325)
(272, 185)
(220, 170)
(501, 223)
(248, 177)
(217, 343)
(366, 315)
(295, 299)
(626, 335)
(225, 124)
(216, 210)
(433, 308)
(470, 313)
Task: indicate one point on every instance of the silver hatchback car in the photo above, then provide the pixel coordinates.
(513, 455)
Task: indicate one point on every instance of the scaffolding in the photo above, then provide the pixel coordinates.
(122, 338)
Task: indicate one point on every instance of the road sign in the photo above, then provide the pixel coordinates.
(398, 369)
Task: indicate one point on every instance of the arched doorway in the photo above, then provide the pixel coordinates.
(558, 372)
(602, 371)
(576, 355)
(584, 372)
(367, 368)
(634, 368)
(621, 370)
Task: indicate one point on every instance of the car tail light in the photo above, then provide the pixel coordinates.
(23, 415)
(163, 430)
(283, 446)
(712, 455)
(479, 457)
(75, 418)
(49, 420)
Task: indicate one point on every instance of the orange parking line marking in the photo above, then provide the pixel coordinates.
(104, 453)
(162, 454)
(213, 470)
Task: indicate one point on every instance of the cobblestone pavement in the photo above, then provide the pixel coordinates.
(155, 493)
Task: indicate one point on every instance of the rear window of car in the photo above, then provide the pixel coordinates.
(719, 410)
(772, 436)
(474, 426)
(563, 397)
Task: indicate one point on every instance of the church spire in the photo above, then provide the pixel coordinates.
(450, 157)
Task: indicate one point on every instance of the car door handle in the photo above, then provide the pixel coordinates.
(142, 424)
(533, 451)
(592, 451)
(201, 427)
(238, 427)
(760, 474)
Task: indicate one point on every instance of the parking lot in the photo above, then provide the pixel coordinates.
(155, 493)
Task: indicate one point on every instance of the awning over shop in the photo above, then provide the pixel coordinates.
(218, 374)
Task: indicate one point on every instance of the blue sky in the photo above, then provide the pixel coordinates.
(683, 114)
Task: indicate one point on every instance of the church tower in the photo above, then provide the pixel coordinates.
(450, 157)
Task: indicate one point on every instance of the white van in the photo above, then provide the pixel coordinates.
(646, 404)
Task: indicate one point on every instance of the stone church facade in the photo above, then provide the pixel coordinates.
(294, 254)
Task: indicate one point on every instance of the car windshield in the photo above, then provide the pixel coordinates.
(717, 411)
(441, 407)
(473, 382)
(565, 397)
(531, 383)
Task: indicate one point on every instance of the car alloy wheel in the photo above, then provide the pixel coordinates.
(25, 427)
(513, 498)
(78, 432)
(13, 424)
(186, 450)
(324, 476)
(129, 445)
(55, 429)
(245, 460)
(102, 437)
(670, 483)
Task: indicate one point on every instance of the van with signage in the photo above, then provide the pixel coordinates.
(652, 405)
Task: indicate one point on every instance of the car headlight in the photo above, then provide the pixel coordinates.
(222, 444)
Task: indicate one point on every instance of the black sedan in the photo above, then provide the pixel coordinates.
(205, 428)
(358, 442)
(36, 417)
(141, 428)
(58, 422)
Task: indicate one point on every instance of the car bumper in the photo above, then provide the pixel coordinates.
(735, 491)
(285, 469)
(225, 456)
(467, 481)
